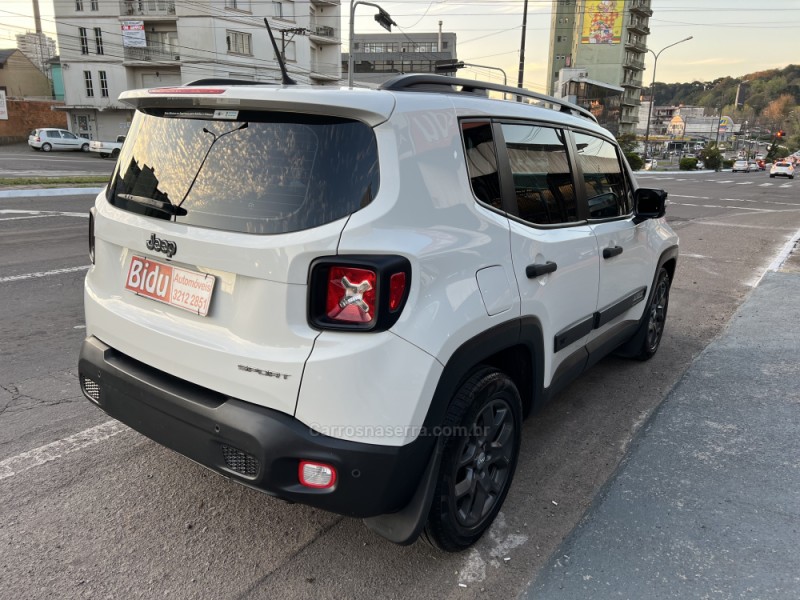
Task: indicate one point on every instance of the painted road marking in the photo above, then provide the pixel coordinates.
(49, 452)
(43, 274)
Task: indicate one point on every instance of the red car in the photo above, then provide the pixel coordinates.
(762, 166)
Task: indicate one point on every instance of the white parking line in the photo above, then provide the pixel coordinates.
(40, 213)
(43, 274)
(49, 452)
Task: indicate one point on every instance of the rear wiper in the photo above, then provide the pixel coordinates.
(163, 206)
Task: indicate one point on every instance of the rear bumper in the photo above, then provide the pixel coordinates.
(256, 446)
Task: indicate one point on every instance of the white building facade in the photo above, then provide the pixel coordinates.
(109, 46)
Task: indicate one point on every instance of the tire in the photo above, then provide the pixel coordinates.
(85, 148)
(46, 147)
(772, 176)
(102, 155)
(483, 425)
(655, 315)
(115, 153)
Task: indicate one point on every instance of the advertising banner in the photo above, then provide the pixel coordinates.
(133, 34)
(3, 107)
(602, 22)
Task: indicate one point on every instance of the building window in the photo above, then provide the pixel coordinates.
(78, 4)
(84, 40)
(94, 5)
(290, 51)
(239, 43)
(283, 10)
(103, 84)
(238, 4)
(98, 40)
(87, 80)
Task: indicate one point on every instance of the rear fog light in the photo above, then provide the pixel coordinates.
(316, 475)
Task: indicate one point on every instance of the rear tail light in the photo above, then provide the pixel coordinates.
(359, 293)
(316, 475)
(91, 234)
(351, 295)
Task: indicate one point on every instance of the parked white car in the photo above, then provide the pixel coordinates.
(350, 298)
(106, 149)
(47, 139)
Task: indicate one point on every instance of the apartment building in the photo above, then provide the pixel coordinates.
(607, 40)
(378, 57)
(108, 46)
(39, 48)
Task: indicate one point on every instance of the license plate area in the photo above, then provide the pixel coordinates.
(182, 288)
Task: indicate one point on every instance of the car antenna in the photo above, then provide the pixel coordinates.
(285, 75)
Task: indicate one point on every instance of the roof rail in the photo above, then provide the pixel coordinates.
(226, 81)
(449, 85)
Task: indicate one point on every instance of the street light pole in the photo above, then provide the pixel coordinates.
(653, 92)
(383, 19)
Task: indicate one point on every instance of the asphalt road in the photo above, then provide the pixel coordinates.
(20, 160)
(91, 509)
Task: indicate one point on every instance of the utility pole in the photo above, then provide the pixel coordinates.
(522, 48)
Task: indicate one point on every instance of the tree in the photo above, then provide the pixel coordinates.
(711, 156)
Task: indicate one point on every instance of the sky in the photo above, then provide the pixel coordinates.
(730, 37)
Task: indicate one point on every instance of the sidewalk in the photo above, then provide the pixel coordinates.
(707, 502)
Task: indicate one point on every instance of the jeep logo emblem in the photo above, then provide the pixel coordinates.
(167, 247)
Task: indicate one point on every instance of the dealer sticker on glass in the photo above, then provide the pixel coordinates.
(171, 285)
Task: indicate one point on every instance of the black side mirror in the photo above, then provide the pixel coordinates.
(649, 204)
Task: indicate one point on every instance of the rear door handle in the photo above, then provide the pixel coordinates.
(611, 252)
(538, 269)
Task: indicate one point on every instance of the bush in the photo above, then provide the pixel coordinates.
(688, 163)
(634, 160)
(711, 157)
(727, 163)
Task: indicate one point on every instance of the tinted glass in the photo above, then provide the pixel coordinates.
(607, 193)
(68, 135)
(263, 173)
(53, 134)
(542, 179)
(479, 149)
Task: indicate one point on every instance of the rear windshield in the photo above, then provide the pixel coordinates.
(252, 172)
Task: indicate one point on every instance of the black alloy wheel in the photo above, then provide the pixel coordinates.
(483, 429)
(656, 315)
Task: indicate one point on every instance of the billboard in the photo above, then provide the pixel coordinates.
(602, 22)
(3, 107)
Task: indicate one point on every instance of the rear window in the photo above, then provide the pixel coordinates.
(255, 172)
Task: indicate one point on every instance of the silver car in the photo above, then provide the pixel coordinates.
(49, 138)
(741, 165)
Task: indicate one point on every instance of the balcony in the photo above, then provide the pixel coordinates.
(634, 63)
(154, 54)
(636, 46)
(642, 7)
(631, 84)
(324, 34)
(147, 8)
(628, 119)
(638, 27)
(631, 101)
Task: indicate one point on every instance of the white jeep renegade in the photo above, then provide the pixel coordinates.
(351, 298)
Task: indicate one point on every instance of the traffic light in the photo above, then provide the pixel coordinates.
(781, 134)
